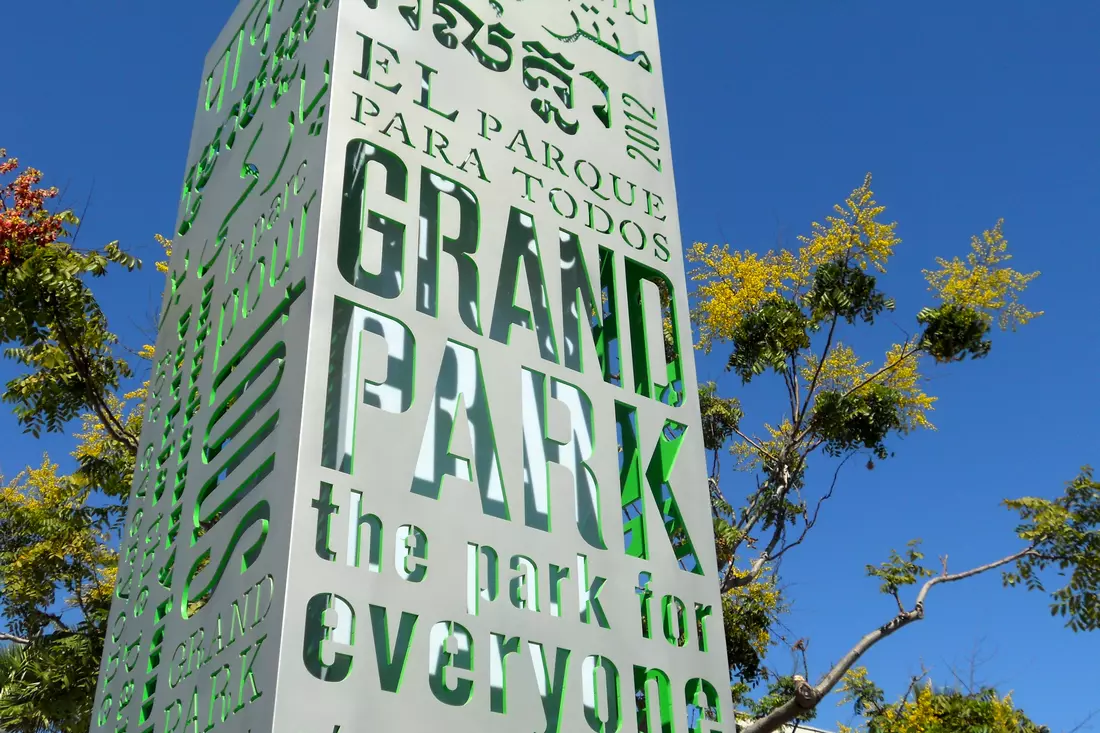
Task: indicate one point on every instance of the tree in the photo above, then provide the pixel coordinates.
(925, 709)
(784, 314)
(780, 314)
(57, 531)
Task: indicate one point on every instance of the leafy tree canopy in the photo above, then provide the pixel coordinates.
(924, 709)
(793, 316)
(58, 531)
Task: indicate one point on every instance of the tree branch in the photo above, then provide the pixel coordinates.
(913, 682)
(893, 365)
(790, 378)
(817, 510)
(56, 621)
(753, 443)
(945, 578)
(14, 639)
(734, 580)
(795, 417)
(111, 423)
(807, 696)
(1086, 721)
(817, 372)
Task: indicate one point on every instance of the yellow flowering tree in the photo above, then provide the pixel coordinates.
(925, 709)
(792, 316)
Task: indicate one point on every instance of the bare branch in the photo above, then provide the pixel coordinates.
(807, 696)
(753, 443)
(790, 379)
(817, 372)
(14, 639)
(945, 578)
(913, 682)
(1088, 719)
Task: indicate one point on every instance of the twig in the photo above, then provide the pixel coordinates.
(817, 510)
(913, 682)
(57, 620)
(84, 213)
(945, 578)
(790, 379)
(905, 355)
(893, 365)
(797, 392)
(753, 443)
(817, 372)
(1086, 721)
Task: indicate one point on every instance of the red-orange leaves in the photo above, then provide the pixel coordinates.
(24, 220)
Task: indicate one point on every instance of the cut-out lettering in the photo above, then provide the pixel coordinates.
(459, 420)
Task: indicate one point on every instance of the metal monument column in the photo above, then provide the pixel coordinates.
(423, 447)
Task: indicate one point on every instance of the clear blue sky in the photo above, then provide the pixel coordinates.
(964, 112)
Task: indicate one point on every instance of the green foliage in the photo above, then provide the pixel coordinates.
(842, 290)
(749, 613)
(1064, 535)
(720, 416)
(60, 333)
(57, 557)
(848, 422)
(857, 689)
(767, 338)
(55, 550)
(50, 320)
(952, 332)
(901, 569)
(51, 685)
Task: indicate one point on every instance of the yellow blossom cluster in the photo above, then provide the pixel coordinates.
(93, 441)
(984, 282)
(731, 284)
(166, 244)
(916, 716)
(902, 373)
(922, 710)
(855, 234)
(762, 600)
(920, 715)
(843, 372)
